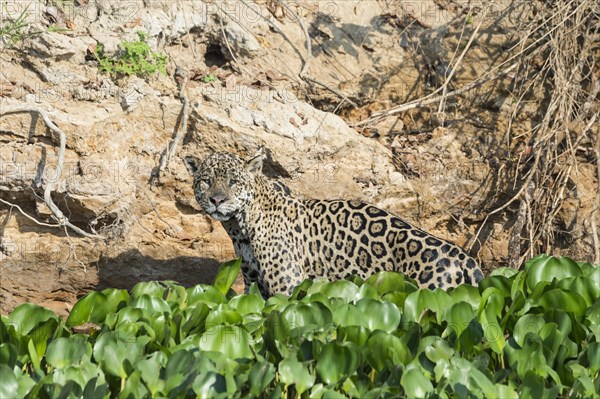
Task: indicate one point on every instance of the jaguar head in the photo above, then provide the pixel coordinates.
(223, 183)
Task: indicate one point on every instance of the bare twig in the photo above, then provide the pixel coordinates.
(304, 71)
(182, 77)
(432, 100)
(34, 220)
(488, 76)
(56, 212)
(454, 68)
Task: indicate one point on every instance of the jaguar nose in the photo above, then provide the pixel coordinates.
(217, 199)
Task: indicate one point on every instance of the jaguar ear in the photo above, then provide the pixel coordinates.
(192, 164)
(254, 164)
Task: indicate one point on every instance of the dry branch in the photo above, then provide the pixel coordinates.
(182, 77)
(56, 212)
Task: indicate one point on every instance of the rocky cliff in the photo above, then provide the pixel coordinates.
(290, 77)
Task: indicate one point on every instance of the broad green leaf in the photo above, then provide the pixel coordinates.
(337, 361)
(338, 289)
(27, 316)
(568, 301)
(227, 274)
(231, 341)
(205, 294)
(501, 283)
(528, 358)
(530, 323)
(348, 315)
(385, 282)
(10, 385)
(116, 298)
(419, 301)
(466, 293)
(386, 349)
(150, 371)
(462, 322)
(70, 351)
(379, 315)
(298, 319)
(320, 391)
(439, 350)
(209, 384)
(112, 351)
(490, 310)
(223, 314)
(150, 288)
(8, 354)
(548, 268)
(507, 272)
(179, 373)
(247, 303)
(92, 308)
(584, 286)
(292, 372)
(134, 388)
(356, 334)
(415, 384)
(260, 376)
(150, 304)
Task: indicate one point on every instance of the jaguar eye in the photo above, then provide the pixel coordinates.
(233, 182)
(205, 181)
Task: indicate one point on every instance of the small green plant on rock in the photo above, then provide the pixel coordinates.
(133, 58)
(14, 31)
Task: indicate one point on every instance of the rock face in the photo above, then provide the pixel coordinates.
(117, 128)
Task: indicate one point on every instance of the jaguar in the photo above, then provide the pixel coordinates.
(283, 239)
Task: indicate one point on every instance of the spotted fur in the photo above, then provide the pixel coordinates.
(283, 239)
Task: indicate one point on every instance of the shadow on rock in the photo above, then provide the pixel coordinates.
(131, 267)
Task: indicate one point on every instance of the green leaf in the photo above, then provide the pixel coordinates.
(179, 373)
(10, 384)
(134, 388)
(466, 293)
(260, 376)
(92, 308)
(116, 299)
(386, 349)
(231, 341)
(150, 372)
(337, 361)
(115, 353)
(462, 323)
(292, 372)
(8, 354)
(356, 334)
(529, 323)
(150, 304)
(379, 315)
(548, 268)
(69, 351)
(223, 314)
(344, 289)
(415, 384)
(419, 301)
(27, 316)
(151, 288)
(385, 282)
(587, 287)
(205, 294)
(247, 303)
(227, 274)
(568, 301)
(210, 384)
